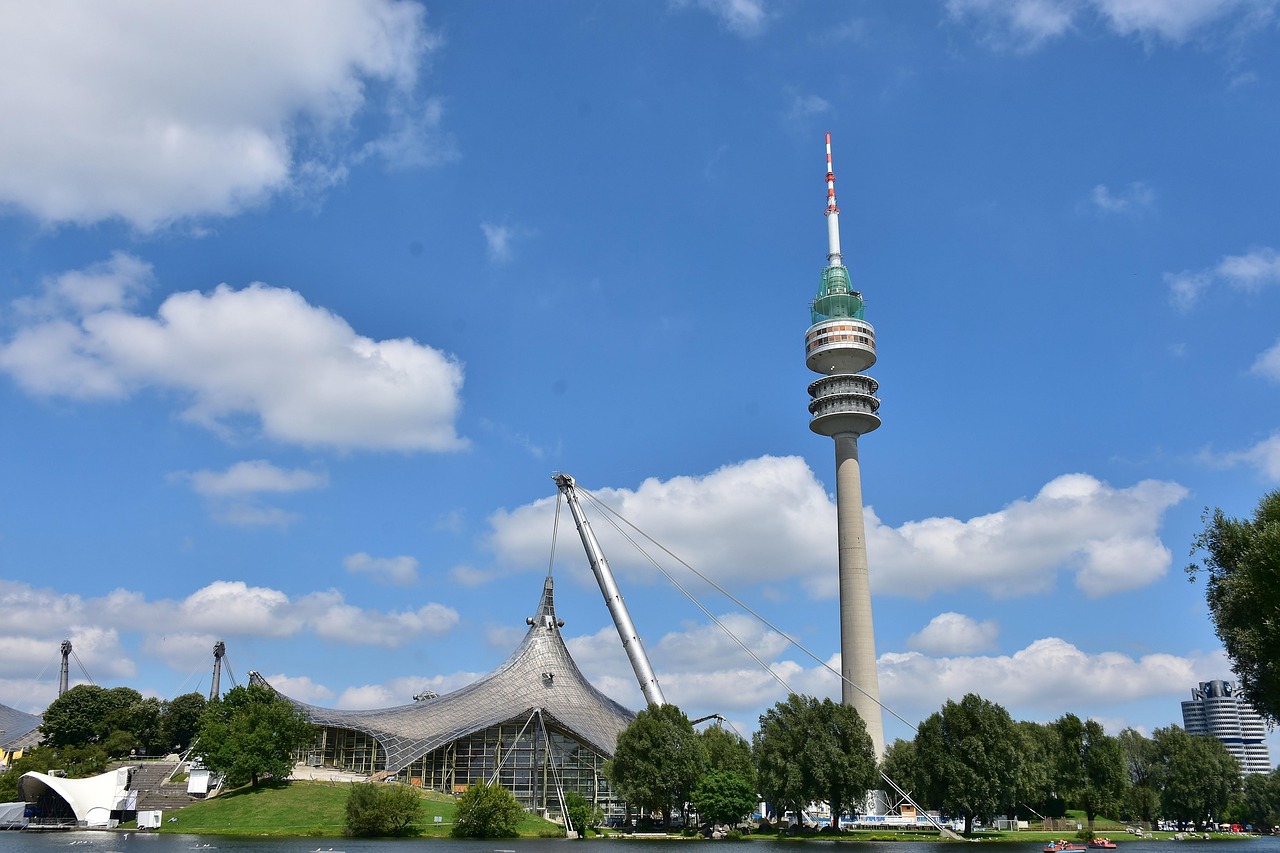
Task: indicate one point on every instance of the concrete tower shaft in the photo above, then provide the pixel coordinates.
(839, 345)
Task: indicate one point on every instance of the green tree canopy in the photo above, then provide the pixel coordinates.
(251, 732)
(180, 721)
(899, 764)
(968, 758)
(88, 713)
(729, 751)
(658, 760)
(1142, 792)
(1242, 561)
(1198, 776)
(786, 782)
(1035, 786)
(486, 811)
(724, 796)
(814, 750)
(1091, 766)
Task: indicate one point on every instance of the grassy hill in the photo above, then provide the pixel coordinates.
(307, 809)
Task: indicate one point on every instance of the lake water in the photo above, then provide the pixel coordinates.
(134, 842)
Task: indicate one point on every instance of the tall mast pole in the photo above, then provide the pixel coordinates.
(612, 597)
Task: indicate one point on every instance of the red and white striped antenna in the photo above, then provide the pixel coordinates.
(834, 257)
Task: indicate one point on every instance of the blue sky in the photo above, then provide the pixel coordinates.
(304, 303)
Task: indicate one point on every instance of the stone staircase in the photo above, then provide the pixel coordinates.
(153, 793)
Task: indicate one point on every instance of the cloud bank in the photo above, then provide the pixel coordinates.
(153, 112)
(769, 521)
(301, 372)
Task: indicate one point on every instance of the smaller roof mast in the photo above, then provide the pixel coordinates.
(612, 597)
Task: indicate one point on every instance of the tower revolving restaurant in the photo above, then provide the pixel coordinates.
(535, 725)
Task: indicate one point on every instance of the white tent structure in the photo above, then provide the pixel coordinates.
(90, 800)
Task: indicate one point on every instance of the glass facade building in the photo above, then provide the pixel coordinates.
(535, 725)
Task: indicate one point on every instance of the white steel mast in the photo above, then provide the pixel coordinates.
(612, 597)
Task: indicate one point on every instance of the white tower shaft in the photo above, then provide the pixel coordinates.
(857, 634)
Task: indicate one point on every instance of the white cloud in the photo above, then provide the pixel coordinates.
(768, 520)
(1027, 24)
(1267, 364)
(763, 520)
(1134, 200)
(301, 371)
(746, 18)
(153, 112)
(1249, 272)
(1024, 24)
(301, 688)
(1107, 536)
(1264, 457)
(224, 609)
(255, 477)
(954, 634)
(402, 570)
(1046, 676)
(500, 240)
(804, 106)
(400, 691)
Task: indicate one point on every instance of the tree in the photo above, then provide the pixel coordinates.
(1242, 561)
(381, 809)
(785, 782)
(1035, 787)
(1142, 793)
(486, 811)
(724, 796)
(180, 721)
(844, 759)
(1198, 776)
(968, 758)
(582, 814)
(809, 750)
(729, 751)
(899, 764)
(251, 732)
(1091, 766)
(1256, 803)
(658, 760)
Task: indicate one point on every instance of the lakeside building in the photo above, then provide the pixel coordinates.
(1218, 708)
(535, 725)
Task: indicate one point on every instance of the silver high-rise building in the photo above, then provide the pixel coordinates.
(1218, 708)
(840, 344)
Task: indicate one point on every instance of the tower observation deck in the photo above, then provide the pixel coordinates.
(839, 345)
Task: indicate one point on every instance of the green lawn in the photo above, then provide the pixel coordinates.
(307, 809)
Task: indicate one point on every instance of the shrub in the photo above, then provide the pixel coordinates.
(379, 809)
(487, 811)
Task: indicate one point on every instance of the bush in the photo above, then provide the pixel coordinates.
(380, 809)
(582, 814)
(487, 811)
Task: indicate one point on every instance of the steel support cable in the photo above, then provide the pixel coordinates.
(555, 532)
(76, 658)
(610, 511)
(688, 594)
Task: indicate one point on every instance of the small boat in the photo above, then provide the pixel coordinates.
(1059, 846)
(1102, 844)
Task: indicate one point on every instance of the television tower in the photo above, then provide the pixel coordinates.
(840, 344)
